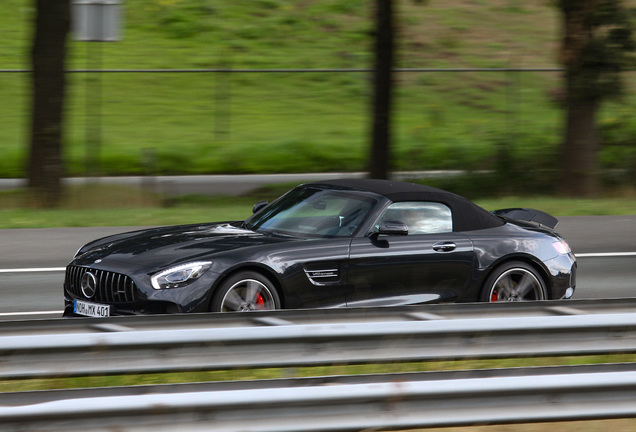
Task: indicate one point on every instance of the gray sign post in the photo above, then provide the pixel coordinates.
(95, 21)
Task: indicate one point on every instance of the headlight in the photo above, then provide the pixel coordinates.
(179, 276)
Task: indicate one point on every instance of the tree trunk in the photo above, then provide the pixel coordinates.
(382, 87)
(579, 156)
(45, 167)
(579, 159)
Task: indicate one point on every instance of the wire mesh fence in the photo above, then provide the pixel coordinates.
(444, 118)
(130, 109)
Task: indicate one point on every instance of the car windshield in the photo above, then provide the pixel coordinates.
(311, 211)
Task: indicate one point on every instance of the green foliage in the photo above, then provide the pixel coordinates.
(328, 370)
(95, 204)
(206, 123)
(598, 46)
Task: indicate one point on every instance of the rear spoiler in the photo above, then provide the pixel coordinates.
(528, 215)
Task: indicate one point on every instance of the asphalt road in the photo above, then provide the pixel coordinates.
(31, 261)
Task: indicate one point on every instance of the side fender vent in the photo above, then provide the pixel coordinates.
(323, 273)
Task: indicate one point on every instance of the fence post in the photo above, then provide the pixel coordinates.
(222, 102)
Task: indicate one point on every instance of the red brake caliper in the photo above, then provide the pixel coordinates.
(494, 296)
(260, 302)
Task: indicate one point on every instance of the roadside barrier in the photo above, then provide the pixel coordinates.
(47, 348)
(54, 348)
(359, 403)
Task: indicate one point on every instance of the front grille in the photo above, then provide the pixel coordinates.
(111, 287)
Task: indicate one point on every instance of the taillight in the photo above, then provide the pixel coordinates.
(561, 247)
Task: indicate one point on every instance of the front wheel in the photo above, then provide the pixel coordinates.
(244, 292)
(512, 282)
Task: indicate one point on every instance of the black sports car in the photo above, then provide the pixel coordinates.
(337, 243)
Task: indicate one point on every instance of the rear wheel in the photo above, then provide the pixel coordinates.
(514, 281)
(244, 292)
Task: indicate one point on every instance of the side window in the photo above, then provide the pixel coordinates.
(421, 217)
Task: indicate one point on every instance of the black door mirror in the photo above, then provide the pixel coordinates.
(259, 206)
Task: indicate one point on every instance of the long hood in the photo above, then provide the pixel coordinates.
(147, 248)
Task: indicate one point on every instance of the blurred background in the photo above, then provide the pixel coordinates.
(284, 86)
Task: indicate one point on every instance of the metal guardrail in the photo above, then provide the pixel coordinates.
(40, 348)
(46, 348)
(335, 403)
(447, 311)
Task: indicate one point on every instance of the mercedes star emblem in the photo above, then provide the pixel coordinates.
(89, 284)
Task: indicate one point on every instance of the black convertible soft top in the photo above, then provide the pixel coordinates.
(467, 216)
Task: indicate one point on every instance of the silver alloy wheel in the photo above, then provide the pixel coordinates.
(248, 295)
(516, 284)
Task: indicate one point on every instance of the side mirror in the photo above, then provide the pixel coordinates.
(391, 227)
(259, 206)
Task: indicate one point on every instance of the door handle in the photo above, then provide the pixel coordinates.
(444, 247)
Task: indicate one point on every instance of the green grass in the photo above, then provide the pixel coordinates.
(566, 206)
(107, 205)
(275, 373)
(197, 123)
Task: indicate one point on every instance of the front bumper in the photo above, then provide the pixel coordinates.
(563, 271)
(146, 300)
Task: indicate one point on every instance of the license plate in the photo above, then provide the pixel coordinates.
(90, 309)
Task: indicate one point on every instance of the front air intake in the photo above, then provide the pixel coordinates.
(110, 287)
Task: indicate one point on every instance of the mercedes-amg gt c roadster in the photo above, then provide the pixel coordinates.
(336, 243)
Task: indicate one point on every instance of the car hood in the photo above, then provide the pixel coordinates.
(157, 247)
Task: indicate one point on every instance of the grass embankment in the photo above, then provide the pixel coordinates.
(254, 374)
(107, 205)
(169, 123)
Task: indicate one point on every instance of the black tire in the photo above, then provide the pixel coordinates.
(514, 281)
(244, 292)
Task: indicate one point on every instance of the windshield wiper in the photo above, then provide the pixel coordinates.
(278, 233)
